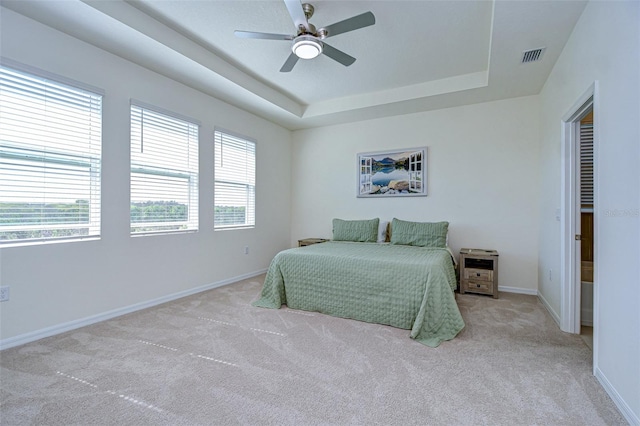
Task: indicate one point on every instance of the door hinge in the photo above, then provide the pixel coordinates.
(578, 237)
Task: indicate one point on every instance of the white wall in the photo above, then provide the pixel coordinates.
(482, 177)
(603, 47)
(54, 284)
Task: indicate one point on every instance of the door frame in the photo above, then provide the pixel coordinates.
(570, 265)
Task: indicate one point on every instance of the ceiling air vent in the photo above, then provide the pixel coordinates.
(532, 55)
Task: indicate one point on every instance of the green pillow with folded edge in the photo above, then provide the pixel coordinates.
(364, 231)
(422, 234)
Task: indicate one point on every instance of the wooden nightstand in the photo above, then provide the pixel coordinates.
(310, 241)
(479, 271)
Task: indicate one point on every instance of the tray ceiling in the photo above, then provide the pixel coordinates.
(419, 55)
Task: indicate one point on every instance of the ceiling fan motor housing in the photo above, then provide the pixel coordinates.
(310, 31)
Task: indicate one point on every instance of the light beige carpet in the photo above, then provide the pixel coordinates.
(213, 359)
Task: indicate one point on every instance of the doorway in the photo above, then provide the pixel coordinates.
(579, 221)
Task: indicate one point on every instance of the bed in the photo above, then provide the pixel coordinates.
(405, 286)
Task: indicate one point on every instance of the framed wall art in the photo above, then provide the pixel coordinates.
(394, 173)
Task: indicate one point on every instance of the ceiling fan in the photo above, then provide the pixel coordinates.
(308, 42)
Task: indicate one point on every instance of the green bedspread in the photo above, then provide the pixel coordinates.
(401, 286)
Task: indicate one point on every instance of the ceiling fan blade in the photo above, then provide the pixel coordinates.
(297, 13)
(337, 55)
(289, 63)
(353, 23)
(266, 36)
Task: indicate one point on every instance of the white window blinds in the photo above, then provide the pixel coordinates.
(164, 172)
(50, 147)
(235, 181)
(586, 165)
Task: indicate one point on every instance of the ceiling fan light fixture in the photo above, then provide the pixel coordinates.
(306, 47)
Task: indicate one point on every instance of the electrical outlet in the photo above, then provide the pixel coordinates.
(4, 293)
(246, 249)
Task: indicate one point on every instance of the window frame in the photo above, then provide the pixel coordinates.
(27, 157)
(250, 212)
(192, 178)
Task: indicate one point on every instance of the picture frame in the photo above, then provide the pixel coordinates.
(392, 173)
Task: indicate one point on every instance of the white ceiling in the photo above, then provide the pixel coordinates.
(419, 55)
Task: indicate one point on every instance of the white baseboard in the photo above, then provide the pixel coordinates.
(553, 313)
(624, 408)
(518, 290)
(72, 325)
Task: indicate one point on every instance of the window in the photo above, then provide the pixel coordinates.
(235, 181)
(164, 172)
(50, 147)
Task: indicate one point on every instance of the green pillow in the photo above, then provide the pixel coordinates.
(423, 234)
(365, 231)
